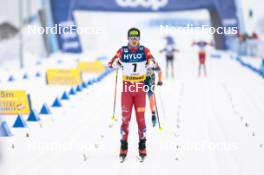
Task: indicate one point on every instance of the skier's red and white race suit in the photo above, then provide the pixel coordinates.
(134, 69)
(202, 56)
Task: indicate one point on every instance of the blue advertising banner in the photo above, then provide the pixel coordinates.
(64, 23)
(225, 13)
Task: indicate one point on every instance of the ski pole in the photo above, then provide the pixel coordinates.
(160, 128)
(162, 105)
(116, 77)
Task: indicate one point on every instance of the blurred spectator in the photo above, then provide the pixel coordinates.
(252, 45)
(255, 36)
(250, 13)
(243, 37)
(248, 44)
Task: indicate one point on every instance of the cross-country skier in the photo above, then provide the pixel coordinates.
(202, 55)
(150, 83)
(169, 53)
(133, 59)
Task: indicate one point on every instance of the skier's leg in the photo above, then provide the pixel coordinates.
(150, 92)
(123, 148)
(199, 69)
(172, 67)
(152, 103)
(201, 56)
(127, 104)
(142, 147)
(140, 102)
(167, 66)
(153, 110)
(205, 71)
(150, 84)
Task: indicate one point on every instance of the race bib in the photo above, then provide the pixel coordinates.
(134, 72)
(134, 65)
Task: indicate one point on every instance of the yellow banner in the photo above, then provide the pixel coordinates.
(14, 102)
(64, 76)
(91, 67)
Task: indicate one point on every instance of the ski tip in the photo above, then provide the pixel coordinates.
(122, 159)
(141, 159)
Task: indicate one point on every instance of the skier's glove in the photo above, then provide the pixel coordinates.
(110, 65)
(117, 65)
(150, 65)
(160, 83)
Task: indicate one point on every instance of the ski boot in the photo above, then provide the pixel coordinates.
(142, 149)
(123, 150)
(154, 119)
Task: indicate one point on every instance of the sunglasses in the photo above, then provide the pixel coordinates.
(133, 38)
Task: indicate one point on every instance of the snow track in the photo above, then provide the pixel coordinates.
(212, 125)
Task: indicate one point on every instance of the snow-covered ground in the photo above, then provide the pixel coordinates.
(211, 125)
(204, 121)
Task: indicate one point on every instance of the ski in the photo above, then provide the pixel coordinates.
(141, 158)
(122, 159)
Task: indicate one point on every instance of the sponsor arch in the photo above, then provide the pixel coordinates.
(223, 13)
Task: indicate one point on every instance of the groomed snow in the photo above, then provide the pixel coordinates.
(211, 126)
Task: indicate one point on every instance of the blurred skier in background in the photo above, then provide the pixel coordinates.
(134, 60)
(150, 83)
(202, 55)
(169, 53)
